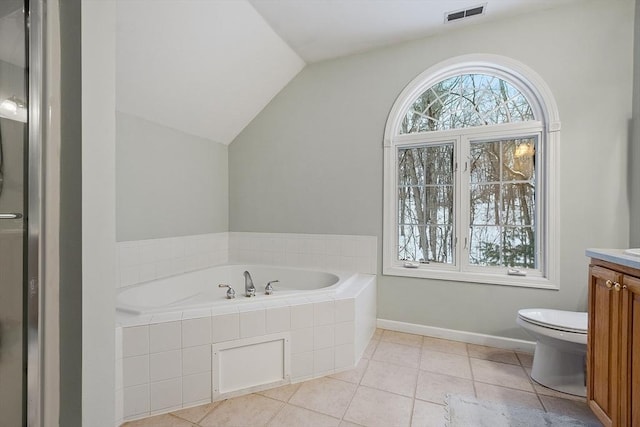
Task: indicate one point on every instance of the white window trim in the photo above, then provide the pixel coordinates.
(544, 107)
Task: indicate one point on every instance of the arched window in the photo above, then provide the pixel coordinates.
(466, 100)
(469, 170)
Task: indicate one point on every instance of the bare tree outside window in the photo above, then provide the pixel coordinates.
(464, 101)
(502, 193)
(502, 177)
(425, 191)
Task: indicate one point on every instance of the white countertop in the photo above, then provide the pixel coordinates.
(617, 256)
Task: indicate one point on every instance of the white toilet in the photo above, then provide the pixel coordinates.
(561, 348)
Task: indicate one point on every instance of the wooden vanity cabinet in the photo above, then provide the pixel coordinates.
(613, 349)
(603, 342)
(631, 342)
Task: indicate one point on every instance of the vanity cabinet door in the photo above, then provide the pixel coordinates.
(603, 346)
(630, 369)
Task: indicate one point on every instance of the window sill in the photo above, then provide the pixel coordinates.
(458, 276)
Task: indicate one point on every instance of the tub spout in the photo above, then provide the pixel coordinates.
(249, 289)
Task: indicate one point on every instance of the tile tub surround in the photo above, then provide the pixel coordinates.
(378, 392)
(164, 362)
(144, 260)
(312, 251)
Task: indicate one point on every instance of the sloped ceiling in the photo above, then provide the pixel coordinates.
(323, 29)
(203, 67)
(208, 67)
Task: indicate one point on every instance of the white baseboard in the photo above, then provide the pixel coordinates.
(462, 336)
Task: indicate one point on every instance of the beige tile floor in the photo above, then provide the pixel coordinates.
(402, 380)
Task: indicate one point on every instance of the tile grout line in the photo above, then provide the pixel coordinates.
(210, 411)
(473, 378)
(284, 404)
(359, 383)
(415, 387)
(180, 418)
(533, 384)
(310, 410)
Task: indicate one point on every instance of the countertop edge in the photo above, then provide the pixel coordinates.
(616, 256)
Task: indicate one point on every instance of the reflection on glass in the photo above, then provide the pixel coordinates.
(13, 135)
(14, 109)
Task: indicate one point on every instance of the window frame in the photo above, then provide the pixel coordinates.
(546, 127)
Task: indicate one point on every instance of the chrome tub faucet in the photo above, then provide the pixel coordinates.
(249, 289)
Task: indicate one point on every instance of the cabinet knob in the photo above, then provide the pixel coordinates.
(608, 284)
(617, 286)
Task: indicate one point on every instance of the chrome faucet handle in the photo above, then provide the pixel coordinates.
(268, 290)
(230, 292)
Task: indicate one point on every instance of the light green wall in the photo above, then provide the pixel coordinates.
(168, 183)
(634, 147)
(98, 222)
(311, 161)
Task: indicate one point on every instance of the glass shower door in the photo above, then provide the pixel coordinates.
(13, 147)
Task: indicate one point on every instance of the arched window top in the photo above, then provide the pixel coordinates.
(466, 100)
(484, 73)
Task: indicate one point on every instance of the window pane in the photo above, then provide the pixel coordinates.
(439, 159)
(484, 246)
(423, 114)
(439, 205)
(411, 205)
(411, 166)
(518, 204)
(409, 247)
(518, 158)
(425, 165)
(502, 187)
(519, 247)
(485, 202)
(502, 246)
(466, 100)
(425, 203)
(485, 162)
(433, 243)
(440, 243)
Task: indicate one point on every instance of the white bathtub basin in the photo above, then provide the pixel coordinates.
(199, 289)
(634, 252)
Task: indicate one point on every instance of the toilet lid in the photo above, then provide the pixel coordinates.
(570, 321)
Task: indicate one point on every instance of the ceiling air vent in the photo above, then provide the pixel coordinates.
(465, 13)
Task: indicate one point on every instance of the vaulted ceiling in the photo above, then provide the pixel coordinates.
(202, 67)
(324, 29)
(208, 67)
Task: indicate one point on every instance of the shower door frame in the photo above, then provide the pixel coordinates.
(36, 13)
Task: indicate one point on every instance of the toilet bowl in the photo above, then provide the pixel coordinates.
(561, 348)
